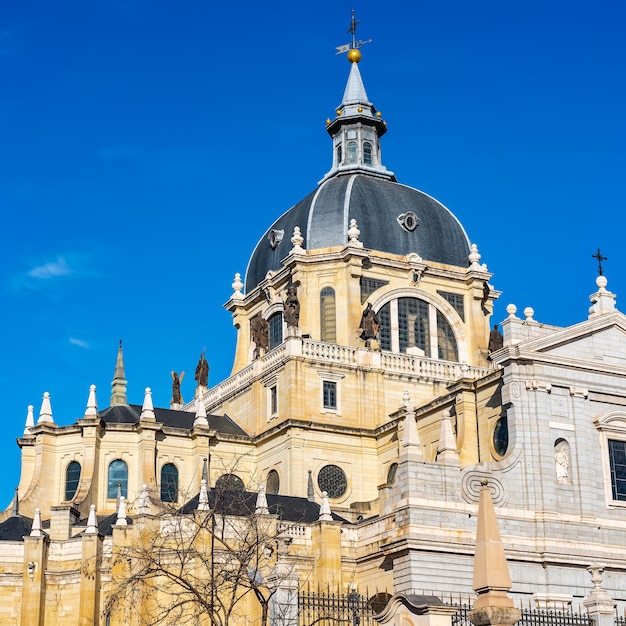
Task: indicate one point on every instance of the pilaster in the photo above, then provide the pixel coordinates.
(34, 581)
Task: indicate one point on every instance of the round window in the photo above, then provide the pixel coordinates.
(332, 480)
(501, 436)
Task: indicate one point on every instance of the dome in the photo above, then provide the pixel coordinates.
(385, 212)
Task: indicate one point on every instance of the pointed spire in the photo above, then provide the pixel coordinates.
(118, 384)
(354, 92)
(36, 527)
(325, 512)
(121, 513)
(203, 499)
(491, 571)
(30, 420)
(143, 503)
(310, 491)
(92, 404)
(261, 502)
(92, 521)
(45, 414)
(201, 417)
(446, 449)
(147, 409)
(15, 508)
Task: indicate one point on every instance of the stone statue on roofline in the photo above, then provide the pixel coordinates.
(369, 327)
(292, 306)
(202, 372)
(259, 334)
(177, 397)
(496, 340)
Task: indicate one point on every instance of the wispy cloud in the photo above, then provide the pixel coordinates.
(79, 342)
(52, 269)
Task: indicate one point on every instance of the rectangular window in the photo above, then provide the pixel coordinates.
(617, 459)
(273, 400)
(329, 392)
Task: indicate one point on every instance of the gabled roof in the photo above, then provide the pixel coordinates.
(129, 414)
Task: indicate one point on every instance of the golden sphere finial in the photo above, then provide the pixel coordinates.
(354, 55)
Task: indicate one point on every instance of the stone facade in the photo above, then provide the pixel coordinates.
(397, 430)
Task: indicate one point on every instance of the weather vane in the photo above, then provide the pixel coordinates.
(356, 43)
(598, 256)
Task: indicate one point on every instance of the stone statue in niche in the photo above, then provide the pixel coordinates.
(562, 461)
(496, 341)
(369, 325)
(292, 306)
(177, 397)
(202, 372)
(259, 334)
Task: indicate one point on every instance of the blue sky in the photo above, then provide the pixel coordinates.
(147, 145)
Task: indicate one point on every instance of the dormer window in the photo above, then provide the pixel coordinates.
(351, 152)
(367, 153)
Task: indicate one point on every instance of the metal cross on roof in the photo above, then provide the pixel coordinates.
(598, 256)
(356, 43)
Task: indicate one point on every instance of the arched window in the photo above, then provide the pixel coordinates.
(391, 473)
(275, 330)
(405, 326)
(339, 155)
(118, 476)
(169, 483)
(351, 152)
(367, 153)
(272, 484)
(72, 477)
(328, 315)
(229, 482)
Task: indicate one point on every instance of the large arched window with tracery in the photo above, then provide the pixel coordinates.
(415, 326)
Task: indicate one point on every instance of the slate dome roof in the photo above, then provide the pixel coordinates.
(378, 205)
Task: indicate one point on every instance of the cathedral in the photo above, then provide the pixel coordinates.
(371, 399)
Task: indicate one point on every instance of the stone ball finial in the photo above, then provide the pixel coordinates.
(511, 309)
(601, 282)
(528, 313)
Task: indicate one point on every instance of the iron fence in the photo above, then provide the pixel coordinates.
(334, 609)
(534, 617)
